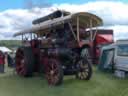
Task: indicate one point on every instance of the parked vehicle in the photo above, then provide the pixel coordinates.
(57, 45)
(115, 57)
(102, 37)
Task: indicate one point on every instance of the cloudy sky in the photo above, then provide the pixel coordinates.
(18, 14)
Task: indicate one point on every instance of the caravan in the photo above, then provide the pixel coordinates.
(114, 57)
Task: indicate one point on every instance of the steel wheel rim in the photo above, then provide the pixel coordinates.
(83, 70)
(52, 72)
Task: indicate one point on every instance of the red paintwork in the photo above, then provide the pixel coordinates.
(103, 37)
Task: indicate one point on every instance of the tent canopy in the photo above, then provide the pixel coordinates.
(5, 49)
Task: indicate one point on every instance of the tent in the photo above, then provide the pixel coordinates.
(106, 58)
(5, 49)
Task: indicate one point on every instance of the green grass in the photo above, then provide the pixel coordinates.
(101, 84)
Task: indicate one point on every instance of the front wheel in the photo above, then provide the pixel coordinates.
(54, 72)
(84, 70)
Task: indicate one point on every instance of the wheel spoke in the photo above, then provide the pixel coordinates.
(83, 70)
(52, 72)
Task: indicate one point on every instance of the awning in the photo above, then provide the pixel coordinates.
(104, 38)
(5, 49)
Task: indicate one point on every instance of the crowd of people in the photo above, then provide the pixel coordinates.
(5, 58)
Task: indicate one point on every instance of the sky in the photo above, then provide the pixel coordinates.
(16, 15)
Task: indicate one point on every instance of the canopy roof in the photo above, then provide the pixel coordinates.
(85, 20)
(56, 14)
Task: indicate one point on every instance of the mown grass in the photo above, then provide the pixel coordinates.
(101, 84)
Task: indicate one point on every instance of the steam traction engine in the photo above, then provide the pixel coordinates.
(57, 45)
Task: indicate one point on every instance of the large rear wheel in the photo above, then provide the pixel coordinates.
(54, 72)
(24, 61)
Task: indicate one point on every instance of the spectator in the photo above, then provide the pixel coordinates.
(10, 61)
(2, 62)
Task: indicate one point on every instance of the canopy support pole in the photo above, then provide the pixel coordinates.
(95, 34)
(31, 36)
(78, 37)
(91, 35)
(72, 30)
(22, 37)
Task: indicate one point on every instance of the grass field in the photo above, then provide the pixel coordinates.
(101, 84)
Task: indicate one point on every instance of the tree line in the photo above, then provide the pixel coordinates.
(10, 43)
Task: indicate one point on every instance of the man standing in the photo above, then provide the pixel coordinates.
(2, 62)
